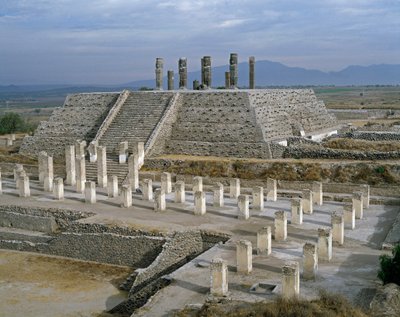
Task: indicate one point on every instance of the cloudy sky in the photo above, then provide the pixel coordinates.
(117, 41)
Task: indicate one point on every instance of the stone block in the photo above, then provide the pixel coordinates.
(234, 188)
(317, 194)
(337, 221)
(102, 166)
(166, 184)
(197, 184)
(80, 166)
(365, 189)
(122, 152)
(112, 186)
(90, 192)
(219, 277)
(307, 201)
(58, 189)
(218, 195)
(272, 193)
(147, 189)
(357, 200)
(133, 171)
(243, 207)
(126, 196)
(180, 192)
(297, 211)
(24, 189)
(70, 165)
(244, 256)
(280, 225)
(258, 198)
(199, 203)
(324, 244)
(159, 200)
(310, 261)
(264, 244)
(290, 280)
(349, 216)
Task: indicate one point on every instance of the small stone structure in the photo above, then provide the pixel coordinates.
(112, 186)
(337, 220)
(243, 207)
(80, 166)
(133, 171)
(233, 69)
(199, 203)
(90, 192)
(272, 193)
(166, 184)
(357, 200)
(159, 73)
(58, 189)
(147, 189)
(349, 216)
(123, 152)
(159, 200)
(234, 188)
(280, 225)
(180, 192)
(258, 198)
(170, 80)
(70, 165)
(252, 62)
(307, 201)
(324, 244)
(317, 195)
(244, 256)
(365, 189)
(197, 184)
(297, 211)
(92, 149)
(310, 261)
(24, 189)
(206, 72)
(219, 277)
(290, 280)
(182, 65)
(264, 244)
(126, 196)
(218, 195)
(102, 166)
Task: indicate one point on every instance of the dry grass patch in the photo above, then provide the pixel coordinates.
(362, 145)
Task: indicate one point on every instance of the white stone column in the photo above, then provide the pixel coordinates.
(1, 183)
(264, 244)
(307, 201)
(290, 280)
(80, 165)
(199, 203)
(147, 189)
(42, 157)
(357, 200)
(365, 189)
(166, 184)
(48, 174)
(133, 171)
(218, 195)
(80, 149)
(159, 200)
(112, 186)
(317, 194)
(243, 207)
(102, 166)
(337, 221)
(219, 277)
(20, 174)
(180, 192)
(90, 192)
(24, 189)
(140, 150)
(280, 225)
(92, 149)
(272, 193)
(70, 165)
(349, 216)
(324, 244)
(310, 261)
(234, 188)
(17, 169)
(244, 256)
(258, 198)
(122, 152)
(9, 141)
(297, 211)
(126, 196)
(197, 184)
(58, 189)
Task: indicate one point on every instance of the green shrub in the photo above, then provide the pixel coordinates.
(12, 122)
(390, 267)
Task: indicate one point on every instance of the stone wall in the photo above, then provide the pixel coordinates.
(374, 135)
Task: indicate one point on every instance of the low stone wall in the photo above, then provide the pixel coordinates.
(374, 136)
(27, 222)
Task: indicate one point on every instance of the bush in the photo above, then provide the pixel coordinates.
(12, 122)
(390, 267)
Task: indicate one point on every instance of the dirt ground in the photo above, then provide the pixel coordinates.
(38, 285)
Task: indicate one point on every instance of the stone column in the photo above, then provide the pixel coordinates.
(349, 216)
(102, 166)
(80, 174)
(112, 186)
(197, 184)
(159, 73)
(1, 183)
(227, 80)
(147, 189)
(218, 193)
(166, 184)
(58, 189)
(307, 201)
(199, 203)
(133, 171)
(365, 189)
(90, 192)
(80, 149)
(140, 152)
(317, 194)
(219, 277)
(357, 201)
(233, 69)
(290, 280)
(182, 65)
(280, 224)
(264, 244)
(17, 169)
(180, 192)
(123, 152)
(243, 207)
(48, 174)
(126, 196)
(206, 71)
(272, 194)
(170, 80)
(70, 165)
(42, 165)
(310, 261)
(234, 188)
(297, 211)
(337, 221)
(258, 198)
(159, 200)
(324, 244)
(92, 149)
(252, 62)
(244, 257)
(24, 190)
(9, 141)
(20, 174)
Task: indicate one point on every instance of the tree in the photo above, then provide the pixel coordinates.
(11, 122)
(390, 267)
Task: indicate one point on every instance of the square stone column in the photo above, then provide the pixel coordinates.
(42, 157)
(159, 200)
(264, 244)
(317, 195)
(112, 186)
(92, 149)
(218, 195)
(126, 196)
(244, 256)
(280, 225)
(58, 189)
(365, 189)
(48, 174)
(324, 244)
(349, 216)
(307, 201)
(258, 198)
(272, 192)
(197, 184)
(9, 141)
(102, 166)
(180, 192)
(80, 165)
(297, 211)
(18, 182)
(70, 165)
(1, 183)
(90, 192)
(219, 277)
(234, 188)
(310, 261)
(140, 150)
(243, 207)
(199, 203)
(357, 200)
(122, 152)
(290, 280)
(337, 221)
(147, 189)
(133, 171)
(17, 169)
(80, 149)
(166, 184)
(24, 189)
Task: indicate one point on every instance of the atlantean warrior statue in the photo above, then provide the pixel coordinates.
(182, 73)
(159, 73)
(233, 69)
